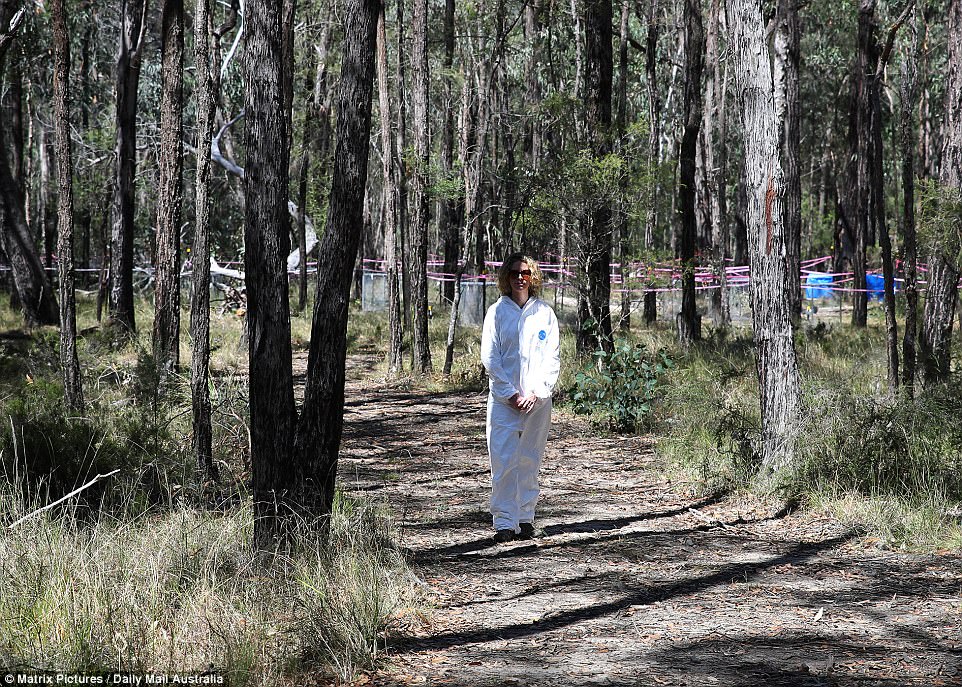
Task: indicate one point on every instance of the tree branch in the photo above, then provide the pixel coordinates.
(887, 51)
(6, 38)
(310, 235)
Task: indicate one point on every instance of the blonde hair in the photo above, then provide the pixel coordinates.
(504, 276)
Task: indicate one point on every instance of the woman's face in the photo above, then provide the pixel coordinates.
(520, 275)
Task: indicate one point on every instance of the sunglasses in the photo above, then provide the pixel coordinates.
(523, 274)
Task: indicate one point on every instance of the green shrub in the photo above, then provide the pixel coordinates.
(620, 389)
(903, 447)
(46, 450)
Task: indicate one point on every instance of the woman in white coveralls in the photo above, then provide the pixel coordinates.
(521, 350)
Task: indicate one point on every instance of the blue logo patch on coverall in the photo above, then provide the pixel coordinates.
(542, 335)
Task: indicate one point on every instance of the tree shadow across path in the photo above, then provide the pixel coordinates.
(634, 581)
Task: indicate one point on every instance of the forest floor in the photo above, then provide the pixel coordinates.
(634, 579)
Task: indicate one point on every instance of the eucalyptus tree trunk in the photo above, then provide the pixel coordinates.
(69, 364)
(716, 162)
(621, 125)
(878, 208)
(207, 79)
(908, 140)
(85, 218)
(267, 244)
(449, 217)
(316, 139)
(654, 138)
(419, 188)
(787, 55)
(595, 259)
(402, 182)
(48, 228)
(170, 192)
(863, 119)
(129, 54)
(776, 363)
(472, 151)
(394, 353)
(32, 286)
(532, 128)
(688, 321)
(580, 58)
(318, 437)
(936, 339)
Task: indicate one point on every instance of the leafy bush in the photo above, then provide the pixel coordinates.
(46, 450)
(621, 388)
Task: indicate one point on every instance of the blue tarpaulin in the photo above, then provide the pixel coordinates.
(812, 291)
(875, 283)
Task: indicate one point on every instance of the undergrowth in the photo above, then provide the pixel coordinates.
(182, 591)
(143, 571)
(889, 466)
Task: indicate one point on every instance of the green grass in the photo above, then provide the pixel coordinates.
(135, 573)
(181, 590)
(890, 467)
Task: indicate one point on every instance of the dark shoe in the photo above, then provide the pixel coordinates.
(527, 531)
(503, 536)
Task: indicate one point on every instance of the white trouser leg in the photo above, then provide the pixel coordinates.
(531, 447)
(504, 432)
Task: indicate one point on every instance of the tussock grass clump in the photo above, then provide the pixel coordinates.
(47, 451)
(183, 591)
(869, 445)
(710, 414)
(351, 594)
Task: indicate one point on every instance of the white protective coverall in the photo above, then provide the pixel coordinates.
(521, 350)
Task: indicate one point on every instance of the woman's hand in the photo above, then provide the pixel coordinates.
(526, 404)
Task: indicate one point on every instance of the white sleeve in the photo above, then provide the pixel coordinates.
(501, 386)
(552, 358)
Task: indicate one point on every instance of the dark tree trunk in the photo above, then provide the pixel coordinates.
(389, 215)
(878, 211)
(532, 96)
(864, 127)
(595, 294)
(206, 75)
(122, 232)
(32, 286)
(48, 225)
(402, 182)
(13, 109)
(69, 364)
(319, 431)
(85, 218)
(170, 192)
(787, 51)
(475, 125)
(621, 125)
(908, 140)
(688, 320)
(267, 244)
(654, 134)
(316, 143)
(778, 380)
(419, 188)
(936, 341)
(449, 219)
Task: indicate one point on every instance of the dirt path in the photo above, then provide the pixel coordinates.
(633, 582)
